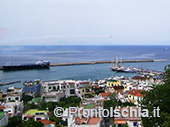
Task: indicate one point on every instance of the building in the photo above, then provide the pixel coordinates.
(113, 82)
(35, 114)
(13, 108)
(115, 89)
(14, 97)
(2, 96)
(130, 121)
(66, 87)
(48, 123)
(3, 118)
(32, 88)
(105, 95)
(135, 96)
(88, 122)
(52, 96)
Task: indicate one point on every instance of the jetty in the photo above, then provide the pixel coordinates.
(9, 83)
(104, 62)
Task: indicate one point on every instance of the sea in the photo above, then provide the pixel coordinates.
(15, 55)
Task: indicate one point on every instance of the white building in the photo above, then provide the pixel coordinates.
(14, 108)
(3, 118)
(14, 97)
(35, 114)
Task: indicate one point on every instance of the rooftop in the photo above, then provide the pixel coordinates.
(35, 112)
(136, 92)
(45, 122)
(2, 114)
(94, 120)
(112, 80)
(106, 94)
(90, 106)
(37, 99)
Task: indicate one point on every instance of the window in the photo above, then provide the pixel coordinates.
(72, 91)
(16, 98)
(9, 98)
(135, 124)
(38, 119)
(54, 88)
(49, 87)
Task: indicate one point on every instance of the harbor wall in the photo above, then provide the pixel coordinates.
(104, 62)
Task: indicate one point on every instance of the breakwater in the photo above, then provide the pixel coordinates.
(104, 62)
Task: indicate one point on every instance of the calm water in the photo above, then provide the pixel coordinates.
(62, 54)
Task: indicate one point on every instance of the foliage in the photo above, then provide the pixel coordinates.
(58, 126)
(69, 102)
(32, 123)
(125, 125)
(30, 106)
(58, 120)
(100, 90)
(113, 102)
(14, 121)
(26, 98)
(159, 96)
(89, 96)
(50, 105)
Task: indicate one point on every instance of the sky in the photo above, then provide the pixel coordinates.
(84, 22)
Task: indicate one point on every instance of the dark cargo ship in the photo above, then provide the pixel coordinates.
(38, 65)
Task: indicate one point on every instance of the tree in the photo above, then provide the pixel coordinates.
(32, 123)
(14, 121)
(58, 120)
(159, 96)
(100, 90)
(27, 98)
(30, 106)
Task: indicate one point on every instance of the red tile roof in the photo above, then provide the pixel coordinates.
(106, 94)
(94, 120)
(120, 122)
(136, 92)
(84, 82)
(71, 82)
(80, 121)
(47, 122)
(9, 114)
(29, 116)
(2, 107)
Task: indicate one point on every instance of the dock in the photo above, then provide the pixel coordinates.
(104, 62)
(9, 83)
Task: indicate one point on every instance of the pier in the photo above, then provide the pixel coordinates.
(9, 83)
(104, 62)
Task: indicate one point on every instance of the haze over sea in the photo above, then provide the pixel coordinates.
(64, 54)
